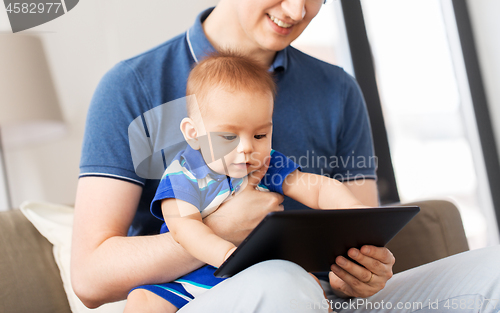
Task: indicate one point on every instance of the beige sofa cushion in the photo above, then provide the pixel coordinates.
(55, 222)
(29, 277)
(435, 233)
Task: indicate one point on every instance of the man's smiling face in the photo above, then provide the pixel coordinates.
(273, 24)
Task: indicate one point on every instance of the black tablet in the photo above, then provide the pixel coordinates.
(314, 238)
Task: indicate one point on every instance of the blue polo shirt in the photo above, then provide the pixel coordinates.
(320, 120)
(188, 178)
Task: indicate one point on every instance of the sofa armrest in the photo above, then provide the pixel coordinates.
(29, 277)
(435, 233)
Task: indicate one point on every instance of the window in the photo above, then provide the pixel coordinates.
(429, 117)
(325, 37)
(434, 143)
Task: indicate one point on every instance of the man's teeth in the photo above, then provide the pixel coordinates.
(279, 22)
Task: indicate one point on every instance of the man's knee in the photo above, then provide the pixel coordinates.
(270, 286)
(280, 275)
(276, 266)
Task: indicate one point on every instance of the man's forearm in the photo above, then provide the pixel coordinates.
(120, 263)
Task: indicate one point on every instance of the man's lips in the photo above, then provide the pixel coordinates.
(279, 22)
(278, 29)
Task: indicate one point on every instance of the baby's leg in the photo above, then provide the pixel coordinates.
(144, 301)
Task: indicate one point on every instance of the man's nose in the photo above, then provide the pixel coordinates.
(295, 9)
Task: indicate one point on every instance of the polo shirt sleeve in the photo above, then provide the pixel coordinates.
(279, 168)
(175, 185)
(118, 100)
(355, 152)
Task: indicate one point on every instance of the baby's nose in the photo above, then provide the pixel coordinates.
(245, 146)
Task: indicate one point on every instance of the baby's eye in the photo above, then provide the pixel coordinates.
(229, 137)
(260, 136)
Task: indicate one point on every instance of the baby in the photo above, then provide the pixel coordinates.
(228, 130)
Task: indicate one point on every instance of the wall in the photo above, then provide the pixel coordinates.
(81, 46)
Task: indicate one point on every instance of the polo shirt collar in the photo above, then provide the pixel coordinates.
(200, 47)
(280, 61)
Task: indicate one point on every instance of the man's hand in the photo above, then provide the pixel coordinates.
(235, 219)
(351, 280)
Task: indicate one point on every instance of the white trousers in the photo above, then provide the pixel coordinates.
(466, 282)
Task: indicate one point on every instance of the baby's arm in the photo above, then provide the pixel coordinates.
(319, 192)
(187, 228)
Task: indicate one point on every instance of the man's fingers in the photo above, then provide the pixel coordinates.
(350, 285)
(381, 254)
(256, 176)
(339, 287)
(370, 265)
(351, 269)
(359, 281)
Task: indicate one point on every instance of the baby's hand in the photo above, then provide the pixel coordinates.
(360, 206)
(229, 253)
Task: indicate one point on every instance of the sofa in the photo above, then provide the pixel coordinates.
(30, 280)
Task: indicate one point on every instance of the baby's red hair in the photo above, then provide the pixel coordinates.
(230, 71)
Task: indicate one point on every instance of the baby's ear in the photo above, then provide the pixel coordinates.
(190, 133)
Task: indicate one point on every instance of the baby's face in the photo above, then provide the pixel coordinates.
(240, 124)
